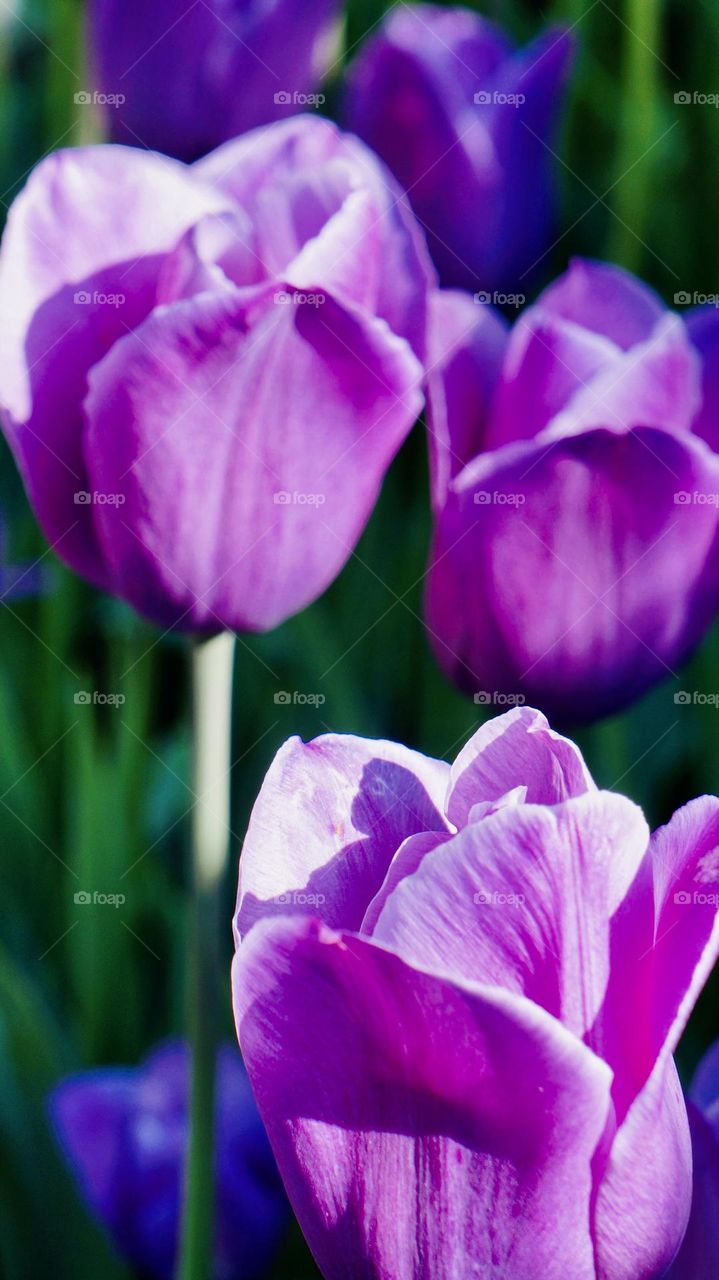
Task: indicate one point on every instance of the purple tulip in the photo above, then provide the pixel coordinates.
(184, 79)
(699, 1254)
(466, 124)
(576, 502)
(458, 991)
(206, 371)
(124, 1134)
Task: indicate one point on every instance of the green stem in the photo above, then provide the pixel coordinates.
(635, 165)
(212, 662)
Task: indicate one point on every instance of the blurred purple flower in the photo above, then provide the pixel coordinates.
(18, 581)
(124, 1134)
(183, 79)
(206, 371)
(458, 991)
(466, 124)
(699, 1255)
(576, 505)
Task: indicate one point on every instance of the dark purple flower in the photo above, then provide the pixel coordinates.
(699, 1255)
(205, 371)
(458, 991)
(576, 503)
(183, 79)
(124, 1132)
(18, 581)
(466, 124)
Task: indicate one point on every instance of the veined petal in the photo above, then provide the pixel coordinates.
(421, 1127)
(328, 821)
(288, 414)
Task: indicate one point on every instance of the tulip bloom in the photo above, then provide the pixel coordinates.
(184, 80)
(576, 497)
(466, 124)
(458, 991)
(124, 1134)
(206, 371)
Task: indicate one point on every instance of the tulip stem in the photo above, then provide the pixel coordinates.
(212, 662)
(636, 160)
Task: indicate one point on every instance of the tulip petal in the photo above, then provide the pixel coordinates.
(329, 818)
(606, 300)
(291, 412)
(79, 267)
(548, 359)
(665, 942)
(516, 749)
(656, 384)
(703, 326)
(619, 532)
(295, 179)
(699, 1254)
(644, 1190)
(224, 68)
(522, 900)
(467, 343)
(421, 1127)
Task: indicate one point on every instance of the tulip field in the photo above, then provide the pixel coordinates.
(359, 640)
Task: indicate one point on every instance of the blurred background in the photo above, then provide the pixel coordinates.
(94, 796)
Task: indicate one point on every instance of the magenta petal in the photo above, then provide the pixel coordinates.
(515, 749)
(79, 266)
(576, 572)
(703, 326)
(644, 1195)
(467, 344)
(699, 1255)
(665, 942)
(606, 300)
(547, 361)
(522, 900)
(353, 804)
(290, 411)
(413, 1144)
